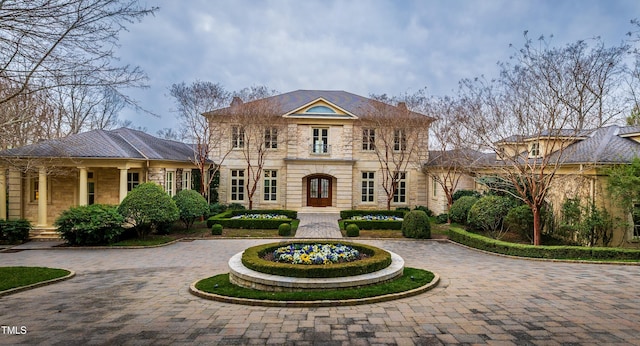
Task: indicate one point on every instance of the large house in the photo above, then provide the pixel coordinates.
(39, 181)
(319, 150)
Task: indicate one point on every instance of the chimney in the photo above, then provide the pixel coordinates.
(237, 101)
(402, 105)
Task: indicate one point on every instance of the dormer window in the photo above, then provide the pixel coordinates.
(534, 149)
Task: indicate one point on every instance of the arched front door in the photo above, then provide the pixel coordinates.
(319, 191)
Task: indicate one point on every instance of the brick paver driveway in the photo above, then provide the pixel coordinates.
(141, 297)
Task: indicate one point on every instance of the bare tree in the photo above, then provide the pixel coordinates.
(538, 106)
(397, 135)
(450, 154)
(46, 44)
(206, 135)
(259, 129)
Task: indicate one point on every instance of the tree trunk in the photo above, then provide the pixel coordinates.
(537, 226)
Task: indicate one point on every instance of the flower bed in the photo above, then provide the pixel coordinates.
(252, 219)
(376, 218)
(376, 259)
(315, 254)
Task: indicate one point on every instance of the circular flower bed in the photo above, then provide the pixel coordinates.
(261, 216)
(371, 259)
(376, 218)
(314, 254)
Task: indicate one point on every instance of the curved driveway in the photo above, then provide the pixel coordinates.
(126, 296)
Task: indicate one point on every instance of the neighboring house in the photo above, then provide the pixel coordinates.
(582, 171)
(322, 152)
(41, 180)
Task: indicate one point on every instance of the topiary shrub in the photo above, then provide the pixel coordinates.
(14, 231)
(94, 224)
(146, 207)
(520, 221)
(460, 209)
(191, 206)
(488, 214)
(284, 230)
(353, 230)
(216, 229)
(416, 225)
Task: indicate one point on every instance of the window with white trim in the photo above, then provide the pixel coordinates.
(237, 185)
(270, 185)
(368, 186)
(368, 139)
(237, 137)
(34, 189)
(170, 183)
(186, 179)
(400, 195)
(271, 138)
(534, 149)
(320, 144)
(399, 140)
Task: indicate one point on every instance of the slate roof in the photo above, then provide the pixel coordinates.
(293, 100)
(604, 145)
(121, 143)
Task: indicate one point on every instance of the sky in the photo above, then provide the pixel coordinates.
(361, 46)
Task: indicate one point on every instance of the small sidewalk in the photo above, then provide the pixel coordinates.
(318, 225)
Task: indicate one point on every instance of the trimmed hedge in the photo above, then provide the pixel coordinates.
(353, 230)
(552, 252)
(379, 259)
(13, 231)
(378, 224)
(225, 219)
(347, 214)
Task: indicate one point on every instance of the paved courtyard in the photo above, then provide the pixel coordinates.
(134, 297)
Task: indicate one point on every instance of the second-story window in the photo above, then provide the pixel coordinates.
(534, 149)
(320, 144)
(399, 140)
(237, 137)
(271, 138)
(400, 195)
(368, 139)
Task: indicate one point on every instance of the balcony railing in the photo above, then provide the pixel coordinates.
(320, 149)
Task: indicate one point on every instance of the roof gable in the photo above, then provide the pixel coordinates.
(320, 109)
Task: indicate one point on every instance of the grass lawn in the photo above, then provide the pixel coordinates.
(402, 284)
(13, 277)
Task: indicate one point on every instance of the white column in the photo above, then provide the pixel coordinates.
(123, 183)
(3, 194)
(42, 197)
(83, 198)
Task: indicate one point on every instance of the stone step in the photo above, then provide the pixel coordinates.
(44, 235)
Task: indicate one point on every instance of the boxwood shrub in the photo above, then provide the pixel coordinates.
(553, 252)
(379, 259)
(95, 224)
(378, 224)
(225, 219)
(353, 230)
(14, 231)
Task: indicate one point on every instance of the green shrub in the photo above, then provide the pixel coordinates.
(284, 230)
(488, 214)
(403, 209)
(462, 193)
(554, 252)
(353, 230)
(216, 229)
(225, 219)
(374, 224)
(291, 214)
(236, 206)
(191, 206)
(520, 221)
(460, 209)
(425, 209)
(442, 218)
(146, 207)
(14, 231)
(94, 224)
(416, 225)
(216, 208)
